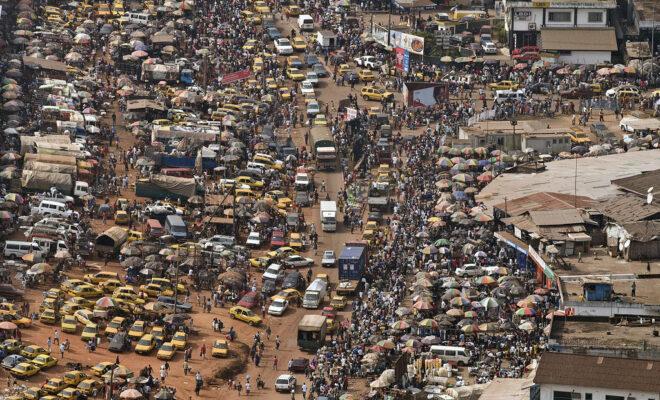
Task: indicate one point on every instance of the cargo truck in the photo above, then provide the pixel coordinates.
(323, 148)
(352, 265)
(311, 332)
(315, 293)
(328, 216)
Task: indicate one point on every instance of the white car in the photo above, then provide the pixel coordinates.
(275, 272)
(312, 77)
(277, 307)
(298, 261)
(328, 259)
(302, 179)
(161, 208)
(469, 270)
(306, 87)
(313, 108)
(489, 48)
(283, 46)
(253, 239)
(368, 62)
(285, 383)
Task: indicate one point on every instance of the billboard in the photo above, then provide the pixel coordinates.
(400, 54)
(424, 94)
(412, 43)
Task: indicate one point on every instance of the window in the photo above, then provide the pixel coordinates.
(588, 396)
(595, 17)
(611, 397)
(566, 395)
(560, 16)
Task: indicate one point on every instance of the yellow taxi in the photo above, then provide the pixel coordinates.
(100, 277)
(503, 85)
(338, 302)
(54, 385)
(344, 68)
(90, 332)
(145, 344)
(289, 295)
(295, 241)
(81, 301)
(103, 10)
(48, 316)
(249, 181)
(114, 325)
(121, 218)
(101, 368)
(137, 330)
(260, 262)
(55, 293)
(69, 393)
(320, 120)
(250, 45)
(278, 196)
(15, 317)
(373, 111)
(69, 324)
(32, 351)
(366, 75)
(129, 298)
(118, 9)
(158, 333)
(271, 83)
(90, 387)
(166, 283)
(110, 285)
(258, 65)
(375, 93)
(86, 290)
(126, 289)
(134, 236)
(292, 11)
(155, 290)
(295, 74)
(24, 370)
(251, 17)
(44, 361)
(31, 393)
(261, 7)
(72, 378)
(84, 317)
(245, 315)
(282, 252)
(70, 284)
(285, 93)
(166, 351)
(298, 43)
(50, 303)
(179, 340)
(220, 348)
(11, 345)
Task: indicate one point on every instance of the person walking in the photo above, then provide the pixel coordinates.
(275, 363)
(247, 388)
(202, 351)
(633, 288)
(198, 383)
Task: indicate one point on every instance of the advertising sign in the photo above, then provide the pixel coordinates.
(406, 61)
(412, 43)
(399, 58)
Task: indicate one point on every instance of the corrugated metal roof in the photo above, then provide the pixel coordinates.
(544, 201)
(556, 217)
(639, 184)
(628, 208)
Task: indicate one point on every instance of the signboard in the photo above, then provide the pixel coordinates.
(541, 263)
(522, 15)
(412, 43)
(351, 113)
(235, 76)
(399, 58)
(406, 61)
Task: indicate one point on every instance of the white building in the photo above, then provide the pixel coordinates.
(579, 31)
(563, 376)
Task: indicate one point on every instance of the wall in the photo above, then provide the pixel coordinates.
(583, 18)
(522, 17)
(586, 57)
(568, 24)
(597, 393)
(545, 145)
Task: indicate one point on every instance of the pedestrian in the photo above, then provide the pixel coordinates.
(275, 363)
(198, 383)
(247, 388)
(56, 337)
(304, 391)
(49, 343)
(633, 288)
(202, 351)
(186, 367)
(277, 342)
(163, 374)
(62, 349)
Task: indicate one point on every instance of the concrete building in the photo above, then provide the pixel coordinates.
(564, 376)
(580, 32)
(550, 142)
(527, 134)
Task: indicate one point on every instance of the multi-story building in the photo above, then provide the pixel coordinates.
(579, 31)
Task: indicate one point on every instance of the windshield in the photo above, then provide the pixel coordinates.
(90, 329)
(311, 296)
(145, 342)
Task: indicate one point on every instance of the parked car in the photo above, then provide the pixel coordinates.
(253, 239)
(299, 365)
(249, 300)
(285, 383)
(329, 259)
(469, 270)
(119, 343)
(298, 261)
(278, 307)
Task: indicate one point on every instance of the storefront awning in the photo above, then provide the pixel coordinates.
(579, 39)
(579, 237)
(512, 241)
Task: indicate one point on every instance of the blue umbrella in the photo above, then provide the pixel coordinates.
(459, 195)
(484, 163)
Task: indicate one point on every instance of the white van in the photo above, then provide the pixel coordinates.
(306, 22)
(138, 18)
(315, 293)
(17, 249)
(52, 208)
(458, 355)
(50, 246)
(502, 96)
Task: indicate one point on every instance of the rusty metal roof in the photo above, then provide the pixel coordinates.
(629, 208)
(544, 201)
(639, 184)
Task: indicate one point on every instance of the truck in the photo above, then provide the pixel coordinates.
(323, 148)
(41, 181)
(352, 264)
(160, 187)
(328, 213)
(315, 293)
(311, 332)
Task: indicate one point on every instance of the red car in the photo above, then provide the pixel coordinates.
(249, 300)
(277, 240)
(525, 49)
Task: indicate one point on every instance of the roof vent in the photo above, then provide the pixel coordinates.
(649, 365)
(600, 360)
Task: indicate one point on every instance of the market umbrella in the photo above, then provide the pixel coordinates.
(465, 178)
(486, 280)
(526, 312)
(39, 268)
(444, 162)
(8, 326)
(450, 294)
(132, 262)
(443, 184)
(105, 302)
(441, 242)
(472, 328)
(62, 254)
(400, 325)
(14, 197)
(428, 323)
(455, 312)
(459, 301)
(130, 394)
(401, 311)
(423, 305)
(451, 283)
(413, 343)
(430, 250)
(430, 340)
(470, 314)
(527, 326)
(386, 344)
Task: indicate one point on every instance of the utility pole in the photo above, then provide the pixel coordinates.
(652, 46)
(389, 22)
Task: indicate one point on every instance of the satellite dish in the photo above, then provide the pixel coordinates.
(650, 190)
(626, 244)
(649, 198)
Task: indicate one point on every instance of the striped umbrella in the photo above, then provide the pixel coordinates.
(428, 323)
(454, 151)
(486, 280)
(386, 344)
(526, 312)
(444, 162)
(400, 325)
(455, 312)
(444, 149)
(463, 178)
(472, 162)
(489, 303)
(470, 314)
(467, 151)
(473, 328)
(481, 151)
(413, 343)
(457, 160)
(459, 301)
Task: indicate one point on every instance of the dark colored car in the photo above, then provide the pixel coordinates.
(273, 33)
(352, 77)
(277, 240)
(302, 199)
(293, 221)
(268, 288)
(376, 216)
(299, 365)
(579, 92)
(119, 342)
(167, 303)
(540, 88)
(13, 360)
(311, 59)
(293, 280)
(249, 300)
(320, 70)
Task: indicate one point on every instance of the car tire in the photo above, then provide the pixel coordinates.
(366, 98)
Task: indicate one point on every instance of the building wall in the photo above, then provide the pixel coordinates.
(555, 12)
(586, 57)
(522, 17)
(545, 145)
(583, 18)
(597, 393)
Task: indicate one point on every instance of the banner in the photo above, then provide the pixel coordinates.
(351, 113)
(412, 43)
(235, 76)
(400, 55)
(406, 61)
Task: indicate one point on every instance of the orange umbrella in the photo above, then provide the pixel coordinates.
(423, 305)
